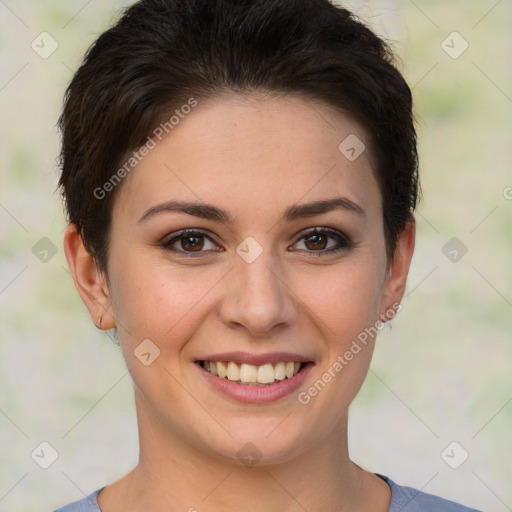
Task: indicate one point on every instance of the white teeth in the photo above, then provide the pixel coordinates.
(222, 369)
(233, 371)
(266, 374)
(213, 368)
(250, 374)
(280, 371)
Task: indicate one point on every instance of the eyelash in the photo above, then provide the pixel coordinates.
(344, 242)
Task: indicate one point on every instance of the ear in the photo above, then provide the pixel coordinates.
(90, 283)
(398, 269)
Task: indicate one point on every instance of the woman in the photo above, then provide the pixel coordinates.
(240, 178)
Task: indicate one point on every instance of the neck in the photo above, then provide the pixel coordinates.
(173, 475)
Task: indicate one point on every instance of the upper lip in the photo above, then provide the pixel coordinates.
(256, 359)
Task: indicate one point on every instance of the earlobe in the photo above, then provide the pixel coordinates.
(90, 283)
(399, 268)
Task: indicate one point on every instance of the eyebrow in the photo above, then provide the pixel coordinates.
(294, 212)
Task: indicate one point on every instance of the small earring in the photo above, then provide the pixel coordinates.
(115, 335)
(98, 325)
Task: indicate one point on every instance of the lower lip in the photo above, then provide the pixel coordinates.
(256, 394)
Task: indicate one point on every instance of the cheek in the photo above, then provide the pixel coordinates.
(159, 301)
(166, 306)
(344, 306)
(344, 298)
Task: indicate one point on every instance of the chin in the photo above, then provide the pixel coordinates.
(260, 444)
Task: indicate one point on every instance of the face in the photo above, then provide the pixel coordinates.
(284, 262)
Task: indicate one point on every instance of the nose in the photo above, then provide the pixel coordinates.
(258, 299)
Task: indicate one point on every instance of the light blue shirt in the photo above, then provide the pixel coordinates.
(403, 499)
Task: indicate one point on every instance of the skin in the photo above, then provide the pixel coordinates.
(253, 157)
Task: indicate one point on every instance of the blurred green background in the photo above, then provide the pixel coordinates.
(442, 374)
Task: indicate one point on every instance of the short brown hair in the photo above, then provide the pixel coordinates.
(161, 53)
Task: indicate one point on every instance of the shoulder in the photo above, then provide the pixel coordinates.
(403, 499)
(87, 504)
(407, 499)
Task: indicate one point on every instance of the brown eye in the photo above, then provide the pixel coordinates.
(192, 242)
(320, 241)
(316, 241)
(189, 242)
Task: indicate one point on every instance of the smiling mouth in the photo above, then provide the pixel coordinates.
(250, 375)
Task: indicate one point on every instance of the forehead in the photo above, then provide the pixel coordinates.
(254, 153)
